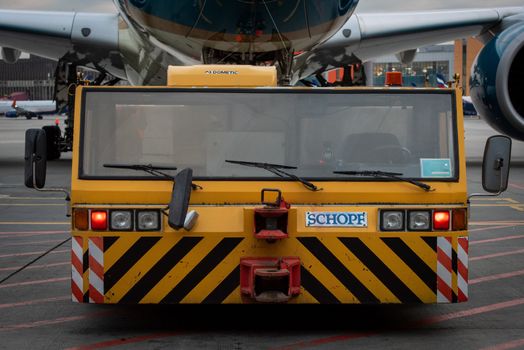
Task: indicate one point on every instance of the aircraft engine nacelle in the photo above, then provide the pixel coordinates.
(9, 55)
(11, 114)
(497, 82)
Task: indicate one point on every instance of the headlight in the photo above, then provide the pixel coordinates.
(419, 221)
(121, 220)
(148, 220)
(392, 220)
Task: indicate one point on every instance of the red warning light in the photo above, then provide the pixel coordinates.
(99, 220)
(441, 220)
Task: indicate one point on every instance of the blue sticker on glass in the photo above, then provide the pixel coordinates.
(435, 167)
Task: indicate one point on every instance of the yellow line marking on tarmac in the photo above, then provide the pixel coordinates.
(32, 204)
(497, 223)
(6, 196)
(496, 204)
(518, 207)
(510, 200)
(506, 202)
(34, 223)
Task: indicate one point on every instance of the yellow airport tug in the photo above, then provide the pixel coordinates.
(224, 188)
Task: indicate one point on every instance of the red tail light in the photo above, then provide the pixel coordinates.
(441, 220)
(99, 220)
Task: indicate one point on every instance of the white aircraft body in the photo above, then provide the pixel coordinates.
(37, 106)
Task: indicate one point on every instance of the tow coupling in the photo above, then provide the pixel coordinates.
(270, 280)
(271, 221)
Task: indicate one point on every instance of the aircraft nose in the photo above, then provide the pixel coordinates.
(268, 24)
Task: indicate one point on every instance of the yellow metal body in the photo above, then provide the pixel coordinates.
(338, 265)
(220, 75)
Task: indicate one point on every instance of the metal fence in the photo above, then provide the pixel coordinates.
(34, 75)
(37, 89)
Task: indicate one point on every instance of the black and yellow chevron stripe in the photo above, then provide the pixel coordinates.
(372, 270)
(191, 269)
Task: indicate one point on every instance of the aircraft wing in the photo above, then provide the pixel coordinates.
(368, 35)
(83, 36)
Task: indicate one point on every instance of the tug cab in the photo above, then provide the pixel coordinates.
(224, 188)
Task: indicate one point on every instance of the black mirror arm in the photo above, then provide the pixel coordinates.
(499, 161)
(63, 190)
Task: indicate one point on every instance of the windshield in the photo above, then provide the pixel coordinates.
(317, 131)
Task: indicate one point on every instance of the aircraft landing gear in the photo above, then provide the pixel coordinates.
(53, 135)
(67, 78)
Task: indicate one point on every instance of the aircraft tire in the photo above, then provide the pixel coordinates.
(53, 138)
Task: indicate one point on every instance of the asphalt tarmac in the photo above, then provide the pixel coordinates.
(36, 311)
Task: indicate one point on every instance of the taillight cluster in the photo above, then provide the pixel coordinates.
(423, 220)
(116, 220)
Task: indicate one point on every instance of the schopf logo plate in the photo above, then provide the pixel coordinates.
(336, 219)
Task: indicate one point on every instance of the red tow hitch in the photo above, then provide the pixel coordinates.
(270, 280)
(271, 221)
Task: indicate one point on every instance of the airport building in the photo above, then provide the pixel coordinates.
(31, 74)
(430, 62)
(443, 59)
(465, 53)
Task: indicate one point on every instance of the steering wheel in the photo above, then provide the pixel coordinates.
(396, 152)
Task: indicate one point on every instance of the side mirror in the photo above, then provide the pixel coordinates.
(180, 198)
(35, 158)
(496, 164)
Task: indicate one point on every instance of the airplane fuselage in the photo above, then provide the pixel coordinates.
(239, 26)
(36, 106)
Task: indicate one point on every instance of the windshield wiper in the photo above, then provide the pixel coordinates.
(277, 169)
(150, 169)
(385, 174)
